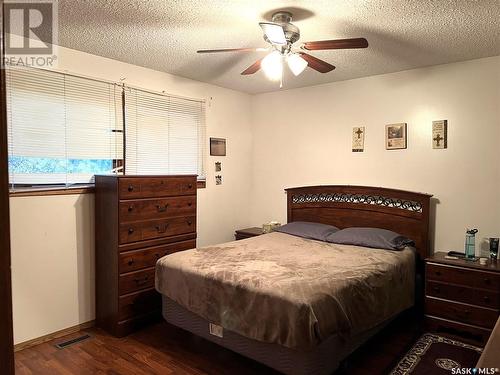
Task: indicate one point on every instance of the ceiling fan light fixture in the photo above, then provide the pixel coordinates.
(296, 63)
(272, 65)
(274, 33)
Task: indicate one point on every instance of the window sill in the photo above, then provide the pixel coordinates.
(35, 192)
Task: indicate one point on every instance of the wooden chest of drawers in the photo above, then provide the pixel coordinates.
(462, 299)
(138, 219)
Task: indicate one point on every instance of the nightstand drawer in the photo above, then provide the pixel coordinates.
(481, 297)
(482, 317)
(463, 332)
(462, 276)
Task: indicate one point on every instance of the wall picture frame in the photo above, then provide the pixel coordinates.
(217, 146)
(358, 139)
(440, 134)
(396, 136)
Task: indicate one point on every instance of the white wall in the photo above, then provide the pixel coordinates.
(303, 137)
(53, 237)
(277, 140)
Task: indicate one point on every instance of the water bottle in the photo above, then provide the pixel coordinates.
(470, 243)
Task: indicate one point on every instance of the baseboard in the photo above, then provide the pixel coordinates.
(52, 336)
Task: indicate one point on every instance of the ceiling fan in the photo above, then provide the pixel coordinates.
(281, 34)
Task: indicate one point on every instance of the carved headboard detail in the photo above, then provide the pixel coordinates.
(346, 206)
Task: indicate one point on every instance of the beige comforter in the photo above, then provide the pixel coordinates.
(288, 290)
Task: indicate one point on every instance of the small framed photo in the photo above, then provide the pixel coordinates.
(218, 166)
(358, 139)
(218, 179)
(440, 134)
(217, 146)
(395, 136)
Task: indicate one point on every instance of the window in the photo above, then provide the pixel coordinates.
(164, 134)
(62, 129)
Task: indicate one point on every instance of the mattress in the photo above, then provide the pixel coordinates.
(290, 291)
(321, 360)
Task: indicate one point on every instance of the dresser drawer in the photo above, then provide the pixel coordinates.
(137, 280)
(481, 297)
(482, 317)
(139, 303)
(138, 259)
(147, 230)
(462, 276)
(151, 187)
(144, 209)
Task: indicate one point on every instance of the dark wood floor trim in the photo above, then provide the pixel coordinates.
(6, 335)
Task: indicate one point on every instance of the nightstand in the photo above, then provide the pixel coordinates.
(247, 233)
(462, 298)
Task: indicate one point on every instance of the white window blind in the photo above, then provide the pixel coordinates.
(62, 129)
(164, 134)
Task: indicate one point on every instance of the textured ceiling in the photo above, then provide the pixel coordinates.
(164, 35)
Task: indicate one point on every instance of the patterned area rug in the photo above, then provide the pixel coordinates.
(437, 355)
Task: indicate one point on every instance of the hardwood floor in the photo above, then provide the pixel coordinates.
(164, 349)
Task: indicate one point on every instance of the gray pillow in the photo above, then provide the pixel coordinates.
(314, 231)
(370, 237)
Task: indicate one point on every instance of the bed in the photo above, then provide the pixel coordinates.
(295, 304)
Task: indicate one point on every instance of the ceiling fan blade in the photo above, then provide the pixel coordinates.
(336, 44)
(317, 64)
(232, 50)
(274, 33)
(252, 68)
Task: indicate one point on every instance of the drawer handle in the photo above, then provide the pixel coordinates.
(190, 186)
(130, 262)
(487, 281)
(189, 222)
(162, 208)
(190, 204)
(130, 230)
(130, 188)
(486, 299)
(436, 289)
(161, 229)
(130, 208)
(141, 281)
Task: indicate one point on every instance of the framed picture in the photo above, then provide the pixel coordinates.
(395, 136)
(218, 166)
(218, 179)
(440, 134)
(358, 139)
(217, 146)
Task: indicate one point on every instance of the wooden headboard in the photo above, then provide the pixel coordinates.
(344, 206)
